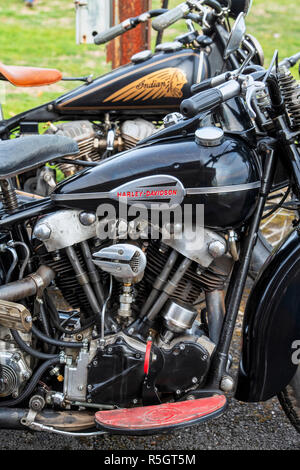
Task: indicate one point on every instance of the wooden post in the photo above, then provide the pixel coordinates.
(121, 49)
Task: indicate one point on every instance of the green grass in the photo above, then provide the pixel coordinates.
(45, 36)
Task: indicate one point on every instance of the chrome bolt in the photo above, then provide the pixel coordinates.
(216, 249)
(87, 218)
(190, 397)
(226, 383)
(42, 232)
(194, 380)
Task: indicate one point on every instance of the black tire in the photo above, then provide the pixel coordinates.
(289, 399)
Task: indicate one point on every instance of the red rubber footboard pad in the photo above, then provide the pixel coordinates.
(158, 416)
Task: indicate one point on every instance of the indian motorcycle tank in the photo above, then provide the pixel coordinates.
(159, 82)
(225, 178)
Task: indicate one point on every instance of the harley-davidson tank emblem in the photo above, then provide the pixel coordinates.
(164, 83)
(151, 189)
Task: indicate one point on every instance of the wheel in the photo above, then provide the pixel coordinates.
(289, 399)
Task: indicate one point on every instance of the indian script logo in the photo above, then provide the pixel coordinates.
(166, 83)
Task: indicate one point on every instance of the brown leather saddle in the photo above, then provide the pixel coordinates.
(29, 76)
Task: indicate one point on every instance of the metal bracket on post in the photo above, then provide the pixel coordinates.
(92, 17)
(29, 418)
(121, 49)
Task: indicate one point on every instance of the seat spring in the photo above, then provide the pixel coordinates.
(8, 195)
(290, 90)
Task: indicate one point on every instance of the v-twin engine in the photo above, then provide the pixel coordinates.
(95, 140)
(152, 295)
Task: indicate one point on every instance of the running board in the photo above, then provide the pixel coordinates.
(155, 419)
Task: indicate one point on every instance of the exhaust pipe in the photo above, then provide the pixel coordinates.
(10, 418)
(31, 285)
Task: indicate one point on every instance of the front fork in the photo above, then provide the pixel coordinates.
(240, 271)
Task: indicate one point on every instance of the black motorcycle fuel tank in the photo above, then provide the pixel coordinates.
(224, 178)
(160, 82)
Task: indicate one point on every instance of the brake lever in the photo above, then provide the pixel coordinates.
(190, 26)
(250, 87)
(204, 11)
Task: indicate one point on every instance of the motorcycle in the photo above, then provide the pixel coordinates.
(120, 312)
(113, 112)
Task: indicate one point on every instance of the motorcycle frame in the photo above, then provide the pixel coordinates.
(250, 387)
(49, 112)
(251, 383)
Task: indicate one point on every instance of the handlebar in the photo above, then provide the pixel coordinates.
(126, 25)
(290, 61)
(182, 10)
(170, 17)
(214, 91)
(164, 19)
(208, 99)
(223, 77)
(113, 32)
(210, 82)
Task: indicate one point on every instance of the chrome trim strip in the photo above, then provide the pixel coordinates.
(189, 191)
(224, 189)
(74, 196)
(200, 67)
